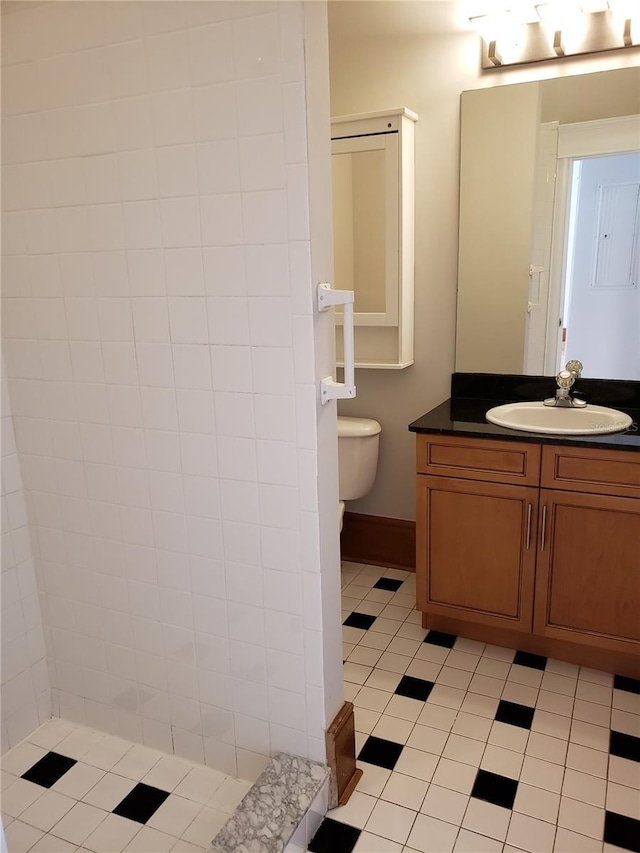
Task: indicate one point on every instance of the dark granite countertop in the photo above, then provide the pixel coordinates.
(474, 394)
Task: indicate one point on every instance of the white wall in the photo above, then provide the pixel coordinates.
(160, 347)
(427, 73)
(26, 695)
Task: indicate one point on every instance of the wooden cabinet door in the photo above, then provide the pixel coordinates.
(476, 550)
(588, 570)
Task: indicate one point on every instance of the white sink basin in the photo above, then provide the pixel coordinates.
(556, 420)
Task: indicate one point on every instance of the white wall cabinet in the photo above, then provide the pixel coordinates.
(372, 157)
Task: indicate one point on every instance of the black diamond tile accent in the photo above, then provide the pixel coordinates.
(49, 769)
(439, 638)
(414, 688)
(389, 584)
(141, 803)
(514, 714)
(384, 753)
(529, 659)
(623, 682)
(334, 837)
(359, 620)
(622, 831)
(624, 746)
(496, 789)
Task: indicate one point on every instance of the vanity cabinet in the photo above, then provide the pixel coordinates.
(539, 539)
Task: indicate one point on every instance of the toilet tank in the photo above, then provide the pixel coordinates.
(358, 441)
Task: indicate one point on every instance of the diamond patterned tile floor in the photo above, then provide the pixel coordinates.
(59, 797)
(470, 748)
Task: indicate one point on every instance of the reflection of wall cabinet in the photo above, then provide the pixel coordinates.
(372, 157)
(543, 543)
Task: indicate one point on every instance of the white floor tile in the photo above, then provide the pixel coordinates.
(383, 680)
(50, 844)
(583, 787)
(47, 810)
(572, 842)
(554, 725)
(463, 749)
(537, 803)
(356, 812)
(487, 819)
(482, 706)
(109, 792)
(622, 721)
(555, 703)
(445, 804)
(404, 646)
(167, 773)
(150, 840)
(449, 697)
(430, 835)
(508, 737)
(525, 675)
(499, 653)
(472, 726)
(547, 748)
(174, 815)
(394, 663)
(113, 834)
(462, 660)
(49, 734)
(375, 640)
(625, 701)
(19, 796)
(428, 739)
(542, 774)
(77, 781)
(404, 708)
(493, 668)
(581, 817)
(205, 827)
(200, 784)
(372, 699)
(79, 823)
(620, 799)
(437, 717)
(391, 821)
(107, 752)
(365, 721)
(21, 837)
(78, 742)
(451, 677)
(23, 756)
(405, 791)
(369, 843)
(416, 763)
(454, 775)
(504, 762)
(527, 833)
(364, 655)
(356, 673)
(486, 686)
(597, 693)
(586, 734)
(586, 760)
(391, 728)
(374, 778)
(520, 693)
(595, 676)
(624, 771)
(590, 712)
(471, 842)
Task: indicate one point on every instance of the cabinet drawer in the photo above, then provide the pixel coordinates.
(479, 459)
(604, 472)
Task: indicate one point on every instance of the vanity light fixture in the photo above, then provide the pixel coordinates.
(519, 31)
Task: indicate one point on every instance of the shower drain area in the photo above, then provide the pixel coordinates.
(67, 788)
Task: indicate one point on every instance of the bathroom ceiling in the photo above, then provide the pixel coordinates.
(371, 18)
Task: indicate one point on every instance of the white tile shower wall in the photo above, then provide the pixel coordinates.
(160, 346)
(26, 694)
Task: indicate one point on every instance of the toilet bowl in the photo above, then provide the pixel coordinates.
(358, 442)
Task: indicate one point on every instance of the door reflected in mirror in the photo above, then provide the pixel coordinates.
(548, 254)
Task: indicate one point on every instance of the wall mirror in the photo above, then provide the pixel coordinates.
(549, 259)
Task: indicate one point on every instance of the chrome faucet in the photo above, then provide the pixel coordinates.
(565, 380)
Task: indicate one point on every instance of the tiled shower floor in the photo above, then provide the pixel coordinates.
(474, 748)
(68, 788)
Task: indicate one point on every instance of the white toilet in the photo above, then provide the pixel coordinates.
(358, 441)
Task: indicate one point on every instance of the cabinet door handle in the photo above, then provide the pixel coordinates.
(529, 526)
(544, 524)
